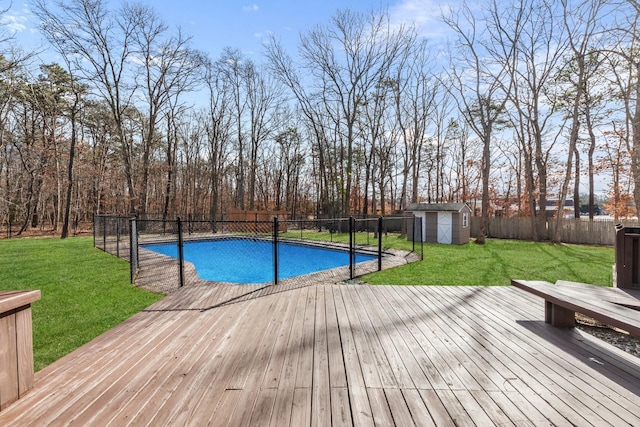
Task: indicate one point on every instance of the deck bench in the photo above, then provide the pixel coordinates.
(612, 306)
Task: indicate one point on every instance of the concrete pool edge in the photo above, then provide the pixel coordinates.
(159, 273)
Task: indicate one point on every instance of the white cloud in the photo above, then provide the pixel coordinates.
(420, 12)
(424, 14)
(13, 23)
(251, 8)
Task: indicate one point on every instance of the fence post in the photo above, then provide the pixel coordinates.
(118, 237)
(380, 244)
(104, 234)
(351, 246)
(416, 221)
(180, 254)
(366, 225)
(275, 250)
(421, 239)
(95, 231)
(133, 248)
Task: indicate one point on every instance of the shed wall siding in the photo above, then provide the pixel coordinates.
(456, 226)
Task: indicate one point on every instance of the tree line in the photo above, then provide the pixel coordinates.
(521, 104)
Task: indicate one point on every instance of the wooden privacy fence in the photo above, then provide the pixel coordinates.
(262, 220)
(578, 231)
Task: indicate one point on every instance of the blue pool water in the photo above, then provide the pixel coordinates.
(251, 261)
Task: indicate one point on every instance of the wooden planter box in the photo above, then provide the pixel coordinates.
(16, 345)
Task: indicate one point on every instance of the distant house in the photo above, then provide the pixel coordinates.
(447, 223)
(551, 209)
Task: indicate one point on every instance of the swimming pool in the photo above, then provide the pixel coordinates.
(251, 261)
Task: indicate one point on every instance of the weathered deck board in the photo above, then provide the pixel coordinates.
(321, 391)
(353, 369)
(407, 348)
(376, 373)
(523, 371)
(82, 364)
(340, 355)
(581, 393)
(577, 361)
(423, 326)
(472, 369)
(532, 379)
(417, 408)
(389, 340)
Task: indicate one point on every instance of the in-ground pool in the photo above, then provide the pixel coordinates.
(251, 261)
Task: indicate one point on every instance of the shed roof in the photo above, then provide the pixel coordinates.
(438, 207)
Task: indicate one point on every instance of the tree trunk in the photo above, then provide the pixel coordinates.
(486, 170)
(70, 179)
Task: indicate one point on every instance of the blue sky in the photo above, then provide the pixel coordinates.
(216, 24)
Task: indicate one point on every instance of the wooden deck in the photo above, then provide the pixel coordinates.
(337, 354)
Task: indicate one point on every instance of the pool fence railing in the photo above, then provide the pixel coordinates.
(126, 237)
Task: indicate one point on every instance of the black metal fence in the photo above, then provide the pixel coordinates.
(163, 253)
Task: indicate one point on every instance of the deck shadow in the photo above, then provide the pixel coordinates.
(615, 364)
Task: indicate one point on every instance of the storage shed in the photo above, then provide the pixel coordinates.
(447, 223)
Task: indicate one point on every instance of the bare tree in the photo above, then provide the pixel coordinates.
(283, 68)
(100, 43)
(479, 83)
(280, 164)
(372, 128)
(9, 91)
(168, 69)
(440, 107)
(383, 140)
(13, 60)
(461, 157)
(536, 51)
(417, 94)
(580, 24)
(255, 98)
(76, 91)
(372, 149)
(623, 62)
(264, 96)
(344, 62)
(289, 156)
(235, 71)
(32, 142)
(97, 127)
(69, 94)
(218, 122)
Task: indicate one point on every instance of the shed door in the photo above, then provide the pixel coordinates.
(445, 225)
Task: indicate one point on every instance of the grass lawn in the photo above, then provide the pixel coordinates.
(498, 261)
(84, 291)
(494, 263)
(391, 240)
